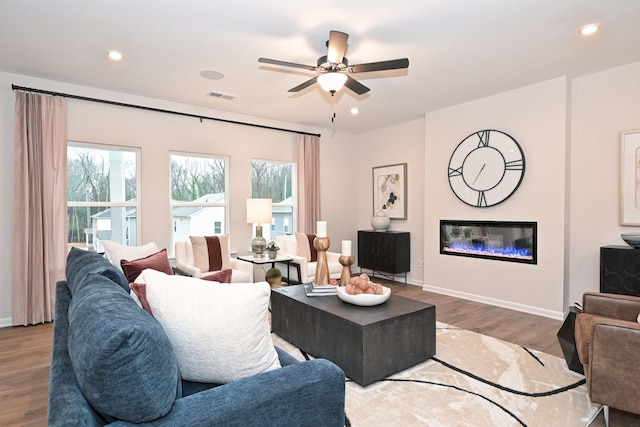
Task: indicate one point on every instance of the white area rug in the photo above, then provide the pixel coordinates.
(473, 380)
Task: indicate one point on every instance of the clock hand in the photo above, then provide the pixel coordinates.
(479, 172)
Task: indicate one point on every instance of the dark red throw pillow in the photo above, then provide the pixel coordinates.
(158, 261)
(223, 276)
(140, 289)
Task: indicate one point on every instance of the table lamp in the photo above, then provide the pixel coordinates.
(258, 213)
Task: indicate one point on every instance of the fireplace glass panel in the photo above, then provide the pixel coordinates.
(498, 240)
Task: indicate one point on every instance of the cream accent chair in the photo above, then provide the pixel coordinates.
(242, 271)
(306, 269)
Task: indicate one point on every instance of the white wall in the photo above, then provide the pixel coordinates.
(536, 117)
(396, 144)
(156, 134)
(603, 105)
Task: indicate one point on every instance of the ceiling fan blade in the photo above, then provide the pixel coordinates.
(392, 64)
(286, 64)
(337, 46)
(356, 86)
(303, 85)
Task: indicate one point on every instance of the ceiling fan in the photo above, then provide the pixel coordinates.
(334, 68)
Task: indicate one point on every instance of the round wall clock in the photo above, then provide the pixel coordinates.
(486, 168)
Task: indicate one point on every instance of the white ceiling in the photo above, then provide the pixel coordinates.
(459, 50)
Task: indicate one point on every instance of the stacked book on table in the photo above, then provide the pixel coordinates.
(314, 290)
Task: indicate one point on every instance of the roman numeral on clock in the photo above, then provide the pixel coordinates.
(484, 138)
(482, 199)
(455, 172)
(514, 165)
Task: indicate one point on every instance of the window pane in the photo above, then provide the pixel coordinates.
(198, 198)
(197, 221)
(90, 226)
(100, 175)
(99, 181)
(193, 178)
(273, 180)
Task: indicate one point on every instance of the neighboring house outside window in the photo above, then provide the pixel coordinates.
(102, 197)
(274, 180)
(198, 195)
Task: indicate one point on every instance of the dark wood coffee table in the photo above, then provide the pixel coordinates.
(368, 343)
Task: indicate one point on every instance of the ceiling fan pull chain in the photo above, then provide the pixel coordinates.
(333, 106)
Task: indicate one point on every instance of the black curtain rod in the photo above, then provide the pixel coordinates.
(158, 110)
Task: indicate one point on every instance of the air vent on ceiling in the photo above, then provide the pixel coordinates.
(221, 95)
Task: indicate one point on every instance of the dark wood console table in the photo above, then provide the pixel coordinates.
(620, 270)
(385, 252)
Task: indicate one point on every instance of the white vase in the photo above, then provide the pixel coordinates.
(380, 221)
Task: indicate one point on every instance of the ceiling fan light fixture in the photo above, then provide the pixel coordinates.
(332, 81)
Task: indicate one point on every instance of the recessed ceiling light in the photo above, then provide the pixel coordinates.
(354, 111)
(115, 55)
(589, 29)
(211, 75)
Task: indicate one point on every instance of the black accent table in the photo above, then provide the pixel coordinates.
(567, 340)
(620, 270)
(368, 343)
(385, 252)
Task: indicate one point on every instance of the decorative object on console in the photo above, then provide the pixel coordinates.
(390, 190)
(629, 170)
(380, 221)
(365, 300)
(259, 211)
(321, 244)
(486, 168)
(632, 239)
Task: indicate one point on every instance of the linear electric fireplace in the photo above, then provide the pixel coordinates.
(499, 240)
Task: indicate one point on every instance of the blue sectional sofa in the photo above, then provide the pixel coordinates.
(112, 365)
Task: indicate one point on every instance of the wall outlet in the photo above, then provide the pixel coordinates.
(420, 263)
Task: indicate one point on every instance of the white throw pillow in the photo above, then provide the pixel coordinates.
(304, 248)
(115, 252)
(219, 331)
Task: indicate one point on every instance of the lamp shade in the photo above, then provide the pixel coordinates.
(259, 211)
(332, 81)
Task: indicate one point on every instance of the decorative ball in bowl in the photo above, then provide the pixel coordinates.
(632, 239)
(364, 299)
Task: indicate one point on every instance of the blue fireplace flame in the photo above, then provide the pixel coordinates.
(479, 249)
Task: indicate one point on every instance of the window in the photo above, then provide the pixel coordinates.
(198, 195)
(102, 200)
(274, 180)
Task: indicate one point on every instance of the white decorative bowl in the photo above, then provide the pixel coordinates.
(632, 239)
(380, 221)
(364, 299)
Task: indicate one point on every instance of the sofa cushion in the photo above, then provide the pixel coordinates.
(223, 276)
(157, 261)
(220, 332)
(115, 252)
(81, 262)
(211, 253)
(305, 246)
(121, 357)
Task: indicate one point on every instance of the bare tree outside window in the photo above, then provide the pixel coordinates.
(274, 180)
(198, 195)
(102, 195)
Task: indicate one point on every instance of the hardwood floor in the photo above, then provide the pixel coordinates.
(25, 352)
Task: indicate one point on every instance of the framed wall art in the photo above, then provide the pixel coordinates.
(630, 178)
(390, 190)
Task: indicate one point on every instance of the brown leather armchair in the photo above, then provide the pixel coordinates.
(608, 342)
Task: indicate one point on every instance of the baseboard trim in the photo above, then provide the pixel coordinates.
(6, 322)
(557, 315)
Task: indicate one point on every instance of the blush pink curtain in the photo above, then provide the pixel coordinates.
(40, 205)
(308, 182)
